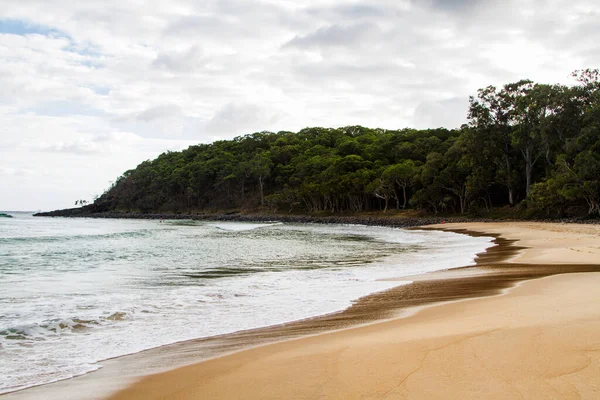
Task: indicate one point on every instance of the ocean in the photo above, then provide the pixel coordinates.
(74, 292)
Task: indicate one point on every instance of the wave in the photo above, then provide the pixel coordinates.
(59, 238)
(39, 330)
(215, 273)
(242, 226)
(183, 222)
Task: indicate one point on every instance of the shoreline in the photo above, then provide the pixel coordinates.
(392, 219)
(409, 358)
(496, 272)
(377, 306)
(492, 275)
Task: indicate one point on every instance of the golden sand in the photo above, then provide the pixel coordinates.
(540, 339)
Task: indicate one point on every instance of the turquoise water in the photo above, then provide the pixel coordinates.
(74, 292)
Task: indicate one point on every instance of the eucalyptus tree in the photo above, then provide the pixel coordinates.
(489, 116)
(402, 174)
(529, 108)
(584, 180)
(260, 168)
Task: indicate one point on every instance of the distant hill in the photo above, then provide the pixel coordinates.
(527, 145)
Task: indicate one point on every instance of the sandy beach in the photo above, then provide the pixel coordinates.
(528, 338)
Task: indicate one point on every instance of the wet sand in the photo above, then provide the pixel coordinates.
(466, 333)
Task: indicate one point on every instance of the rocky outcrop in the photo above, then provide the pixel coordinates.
(372, 220)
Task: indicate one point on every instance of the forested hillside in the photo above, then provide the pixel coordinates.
(531, 145)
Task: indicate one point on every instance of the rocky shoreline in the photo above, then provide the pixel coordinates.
(362, 219)
(371, 220)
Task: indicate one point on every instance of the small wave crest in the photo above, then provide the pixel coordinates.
(38, 331)
(215, 273)
(117, 316)
(103, 236)
(242, 226)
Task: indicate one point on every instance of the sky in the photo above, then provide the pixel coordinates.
(90, 89)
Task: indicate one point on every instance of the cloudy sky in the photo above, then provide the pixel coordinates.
(89, 89)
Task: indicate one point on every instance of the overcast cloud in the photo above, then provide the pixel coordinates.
(90, 89)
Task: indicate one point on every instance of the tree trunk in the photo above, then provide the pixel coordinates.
(404, 194)
(485, 202)
(528, 169)
(593, 206)
(262, 196)
(385, 198)
(529, 163)
(511, 197)
(462, 197)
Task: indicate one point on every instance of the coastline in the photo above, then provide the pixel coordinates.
(496, 286)
(118, 372)
(393, 220)
(491, 276)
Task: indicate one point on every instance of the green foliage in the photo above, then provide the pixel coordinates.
(524, 140)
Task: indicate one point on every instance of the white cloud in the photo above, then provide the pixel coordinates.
(50, 161)
(186, 60)
(238, 118)
(440, 114)
(104, 87)
(159, 112)
(353, 35)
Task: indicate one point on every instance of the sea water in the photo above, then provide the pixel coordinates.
(74, 292)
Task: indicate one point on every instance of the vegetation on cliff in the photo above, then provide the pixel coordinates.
(536, 146)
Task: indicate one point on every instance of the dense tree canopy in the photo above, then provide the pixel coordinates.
(531, 145)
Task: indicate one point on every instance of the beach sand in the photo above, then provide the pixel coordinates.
(539, 338)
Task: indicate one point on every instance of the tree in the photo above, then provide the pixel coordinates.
(455, 174)
(529, 107)
(382, 189)
(260, 167)
(583, 180)
(489, 116)
(403, 175)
